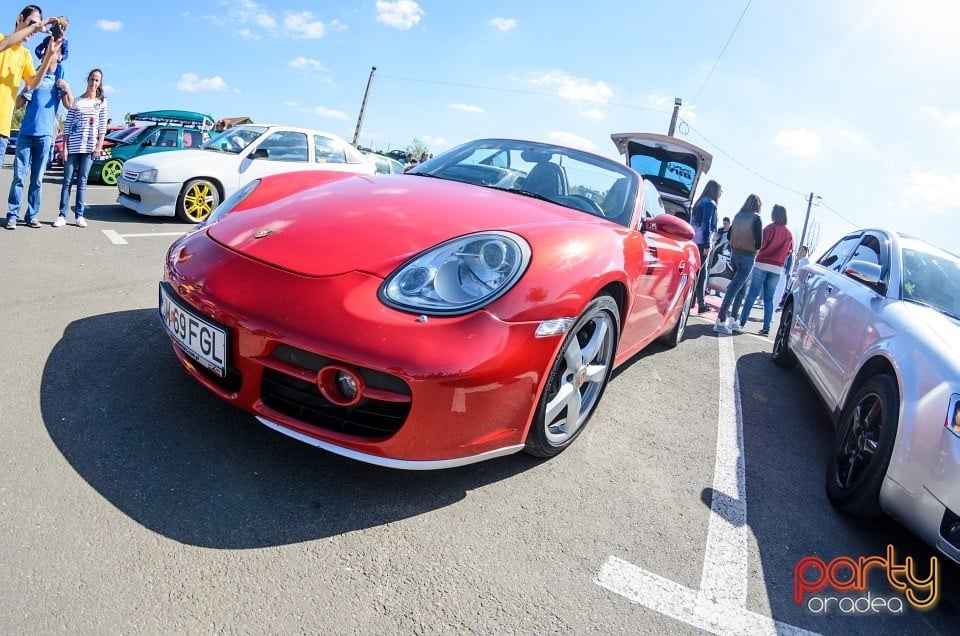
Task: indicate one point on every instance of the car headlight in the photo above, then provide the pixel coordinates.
(458, 276)
(148, 176)
(230, 202)
(953, 415)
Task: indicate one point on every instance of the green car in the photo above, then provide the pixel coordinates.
(168, 130)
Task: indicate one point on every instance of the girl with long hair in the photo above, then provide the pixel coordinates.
(84, 130)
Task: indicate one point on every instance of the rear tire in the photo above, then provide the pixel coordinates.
(110, 171)
(673, 337)
(782, 356)
(198, 199)
(577, 379)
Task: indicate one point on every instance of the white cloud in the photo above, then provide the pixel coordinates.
(575, 88)
(570, 139)
(504, 24)
(247, 12)
(434, 142)
(292, 104)
(593, 113)
(336, 26)
(108, 89)
(109, 25)
(247, 34)
(303, 25)
(306, 64)
(401, 14)
(467, 108)
(193, 83)
(931, 192)
(950, 121)
(329, 113)
(800, 142)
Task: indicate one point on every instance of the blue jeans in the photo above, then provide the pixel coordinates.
(4, 142)
(742, 266)
(766, 281)
(78, 163)
(32, 151)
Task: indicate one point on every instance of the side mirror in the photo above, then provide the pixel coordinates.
(867, 273)
(260, 153)
(668, 225)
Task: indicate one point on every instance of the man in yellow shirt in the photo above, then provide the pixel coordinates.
(16, 65)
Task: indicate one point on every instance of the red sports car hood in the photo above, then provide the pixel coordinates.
(324, 227)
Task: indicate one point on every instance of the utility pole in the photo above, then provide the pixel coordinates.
(676, 113)
(806, 219)
(363, 107)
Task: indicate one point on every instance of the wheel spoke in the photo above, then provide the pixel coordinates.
(560, 400)
(573, 356)
(595, 373)
(597, 340)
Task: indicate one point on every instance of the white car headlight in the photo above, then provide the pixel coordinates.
(458, 276)
(148, 176)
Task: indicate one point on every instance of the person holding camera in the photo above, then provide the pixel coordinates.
(16, 64)
(34, 143)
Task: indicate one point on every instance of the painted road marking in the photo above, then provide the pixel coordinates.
(720, 605)
(121, 239)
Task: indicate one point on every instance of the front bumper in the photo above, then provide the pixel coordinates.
(470, 382)
(150, 199)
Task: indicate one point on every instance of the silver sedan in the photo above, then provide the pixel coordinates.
(875, 326)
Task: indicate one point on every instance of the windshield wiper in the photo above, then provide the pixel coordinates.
(527, 193)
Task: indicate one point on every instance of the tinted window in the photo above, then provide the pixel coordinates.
(285, 145)
(868, 250)
(836, 256)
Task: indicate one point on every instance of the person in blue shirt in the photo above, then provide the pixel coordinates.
(34, 142)
(704, 221)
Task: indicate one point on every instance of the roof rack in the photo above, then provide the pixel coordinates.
(182, 117)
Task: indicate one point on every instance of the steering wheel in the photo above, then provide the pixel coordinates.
(584, 203)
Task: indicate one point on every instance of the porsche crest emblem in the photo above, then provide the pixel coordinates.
(267, 231)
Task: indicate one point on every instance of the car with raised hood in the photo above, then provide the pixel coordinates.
(470, 308)
(191, 184)
(163, 131)
(673, 165)
(874, 324)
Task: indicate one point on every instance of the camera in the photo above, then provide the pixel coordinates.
(56, 29)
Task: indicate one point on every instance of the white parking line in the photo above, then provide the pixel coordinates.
(121, 239)
(720, 605)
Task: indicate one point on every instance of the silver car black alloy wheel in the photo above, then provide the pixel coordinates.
(861, 440)
(587, 359)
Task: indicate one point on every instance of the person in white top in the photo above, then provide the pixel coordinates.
(84, 130)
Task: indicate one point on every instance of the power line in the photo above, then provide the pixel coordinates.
(722, 51)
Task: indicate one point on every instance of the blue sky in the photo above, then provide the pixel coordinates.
(857, 101)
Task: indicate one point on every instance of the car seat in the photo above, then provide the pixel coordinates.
(547, 180)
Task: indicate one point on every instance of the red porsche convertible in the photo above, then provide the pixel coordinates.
(470, 308)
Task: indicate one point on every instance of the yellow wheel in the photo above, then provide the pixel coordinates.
(111, 171)
(199, 198)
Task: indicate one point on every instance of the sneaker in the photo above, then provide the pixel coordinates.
(764, 332)
(12, 224)
(34, 223)
(722, 328)
(81, 222)
(60, 222)
(703, 309)
(736, 327)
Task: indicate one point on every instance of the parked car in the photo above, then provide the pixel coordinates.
(471, 308)
(167, 130)
(875, 326)
(673, 165)
(384, 164)
(190, 184)
(397, 155)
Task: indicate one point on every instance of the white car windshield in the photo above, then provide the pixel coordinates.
(932, 279)
(234, 140)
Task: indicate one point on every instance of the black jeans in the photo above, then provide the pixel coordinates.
(702, 276)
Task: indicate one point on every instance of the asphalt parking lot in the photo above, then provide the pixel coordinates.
(135, 502)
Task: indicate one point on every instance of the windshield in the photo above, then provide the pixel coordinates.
(234, 140)
(571, 178)
(932, 279)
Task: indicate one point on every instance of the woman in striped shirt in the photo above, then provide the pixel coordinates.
(84, 130)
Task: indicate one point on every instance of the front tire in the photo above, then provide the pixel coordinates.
(199, 198)
(577, 379)
(110, 171)
(863, 446)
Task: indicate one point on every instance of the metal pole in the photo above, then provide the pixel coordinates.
(363, 107)
(806, 219)
(676, 113)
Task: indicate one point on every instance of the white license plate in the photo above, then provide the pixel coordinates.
(200, 339)
(124, 188)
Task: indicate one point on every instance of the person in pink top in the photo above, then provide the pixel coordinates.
(776, 246)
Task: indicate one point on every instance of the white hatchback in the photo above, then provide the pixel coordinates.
(190, 184)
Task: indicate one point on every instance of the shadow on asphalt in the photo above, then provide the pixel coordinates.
(194, 469)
